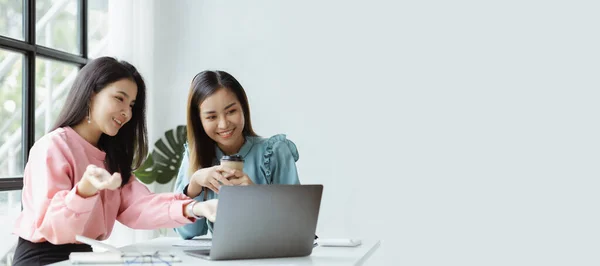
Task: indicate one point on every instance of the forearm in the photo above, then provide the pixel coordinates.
(194, 189)
(65, 216)
(141, 209)
(165, 210)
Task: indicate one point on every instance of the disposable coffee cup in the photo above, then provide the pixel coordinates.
(233, 162)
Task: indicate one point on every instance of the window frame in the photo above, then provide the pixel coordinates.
(30, 51)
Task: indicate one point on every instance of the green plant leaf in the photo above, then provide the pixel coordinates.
(144, 172)
(163, 163)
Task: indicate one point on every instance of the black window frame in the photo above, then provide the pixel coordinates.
(31, 51)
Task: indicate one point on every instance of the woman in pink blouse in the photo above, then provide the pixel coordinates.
(78, 179)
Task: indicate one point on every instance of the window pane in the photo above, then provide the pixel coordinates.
(97, 28)
(10, 207)
(11, 89)
(56, 24)
(11, 18)
(51, 78)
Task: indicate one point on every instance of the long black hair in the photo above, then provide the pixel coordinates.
(206, 83)
(129, 147)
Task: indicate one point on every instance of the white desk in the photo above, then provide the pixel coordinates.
(331, 256)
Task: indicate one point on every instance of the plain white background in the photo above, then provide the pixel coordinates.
(457, 132)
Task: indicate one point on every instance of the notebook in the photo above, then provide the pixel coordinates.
(115, 256)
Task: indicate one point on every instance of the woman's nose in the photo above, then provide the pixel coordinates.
(126, 115)
(222, 123)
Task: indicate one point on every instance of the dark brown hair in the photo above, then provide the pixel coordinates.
(129, 147)
(206, 83)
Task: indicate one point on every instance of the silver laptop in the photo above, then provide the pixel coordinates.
(264, 221)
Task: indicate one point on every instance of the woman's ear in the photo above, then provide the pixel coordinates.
(91, 101)
(90, 105)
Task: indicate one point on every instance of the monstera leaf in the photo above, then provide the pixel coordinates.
(163, 163)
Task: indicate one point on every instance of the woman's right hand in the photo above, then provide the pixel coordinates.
(211, 177)
(207, 209)
(95, 179)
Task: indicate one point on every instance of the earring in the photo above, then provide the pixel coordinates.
(89, 116)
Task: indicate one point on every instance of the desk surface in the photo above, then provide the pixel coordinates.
(320, 256)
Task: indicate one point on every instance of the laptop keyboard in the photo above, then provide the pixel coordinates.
(205, 243)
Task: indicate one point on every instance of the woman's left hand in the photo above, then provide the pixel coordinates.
(239, 178)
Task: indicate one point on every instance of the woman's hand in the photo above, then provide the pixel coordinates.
(210, 177)
(239, 178)
(95, 179)
(206, 209)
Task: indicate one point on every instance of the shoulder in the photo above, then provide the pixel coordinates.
(51, 150)
(56, 139)
(278, 145)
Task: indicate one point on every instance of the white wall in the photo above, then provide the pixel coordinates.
(458, 132)
(131, 38)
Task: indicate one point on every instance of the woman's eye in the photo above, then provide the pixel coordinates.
(119, 98)
(232, 111)
(211, 117)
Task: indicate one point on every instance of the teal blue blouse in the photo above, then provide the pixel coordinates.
(266, 161)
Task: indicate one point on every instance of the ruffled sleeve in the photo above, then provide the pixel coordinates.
(279, 164)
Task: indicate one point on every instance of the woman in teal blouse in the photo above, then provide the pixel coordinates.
(218, 124)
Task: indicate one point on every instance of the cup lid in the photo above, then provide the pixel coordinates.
(233, 158)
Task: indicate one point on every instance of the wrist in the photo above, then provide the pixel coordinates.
(191, 210)
(85, 188)
(193, 189)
